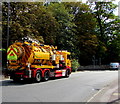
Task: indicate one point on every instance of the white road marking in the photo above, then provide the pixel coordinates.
(94, 95)
(116, 94)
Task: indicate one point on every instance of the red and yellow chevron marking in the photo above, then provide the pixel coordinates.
(12, 54)
(13, 50)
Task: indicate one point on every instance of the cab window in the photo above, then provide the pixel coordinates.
(68, 56)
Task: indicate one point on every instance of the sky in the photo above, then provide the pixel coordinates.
(116, 12)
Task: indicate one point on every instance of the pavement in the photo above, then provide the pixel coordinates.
(2, 77)
(109, 93)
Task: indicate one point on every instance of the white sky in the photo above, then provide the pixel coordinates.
(117, 11)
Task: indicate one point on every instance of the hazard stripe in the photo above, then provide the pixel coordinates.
(11, 54)
(27, 53)
(12, 49)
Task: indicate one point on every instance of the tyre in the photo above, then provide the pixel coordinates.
(38, 77)
(46, 76)
(67, 74)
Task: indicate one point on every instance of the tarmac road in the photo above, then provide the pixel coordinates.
(79, 87)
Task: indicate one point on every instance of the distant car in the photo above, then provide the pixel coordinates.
(114, 65)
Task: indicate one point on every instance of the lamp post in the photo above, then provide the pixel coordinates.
(8, 19)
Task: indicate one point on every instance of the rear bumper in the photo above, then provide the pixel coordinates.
(114, 68)
(19, 74)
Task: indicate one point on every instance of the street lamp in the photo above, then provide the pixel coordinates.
(8, 19)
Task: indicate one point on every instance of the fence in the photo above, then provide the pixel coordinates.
(94, 67)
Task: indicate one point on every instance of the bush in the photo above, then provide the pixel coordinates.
(75, 64)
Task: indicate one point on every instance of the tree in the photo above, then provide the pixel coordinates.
(21, 22)
(103, 14)
(114, 42)
(86, 30)
(85, 26)
(106, 26)
(29, 19)
(66, 33)
(46, 25)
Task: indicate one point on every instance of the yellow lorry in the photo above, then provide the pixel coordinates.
(30, 59)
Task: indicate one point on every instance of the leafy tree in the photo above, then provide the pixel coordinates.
(66, 33)
(114, 42)
(104, 13)
(20, 24)
(85, 25)
(29, 19)
(86, 30)
(114, 50)
(106, 26)
(46, 25)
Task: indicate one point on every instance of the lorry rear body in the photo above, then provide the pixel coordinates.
(30, 59)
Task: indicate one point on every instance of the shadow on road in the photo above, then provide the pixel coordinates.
(24, 82)
(12, 83)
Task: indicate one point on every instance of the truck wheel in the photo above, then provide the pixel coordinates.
(46, 75)
(38, 77)
(67, 74)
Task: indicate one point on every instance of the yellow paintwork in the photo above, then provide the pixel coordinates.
(13, 67)
(41, 55)
(43, 66)
(57, 71)
(67, 61)
(31, 59)
(38, 56)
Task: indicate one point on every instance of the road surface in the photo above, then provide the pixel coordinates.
(79, 87)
